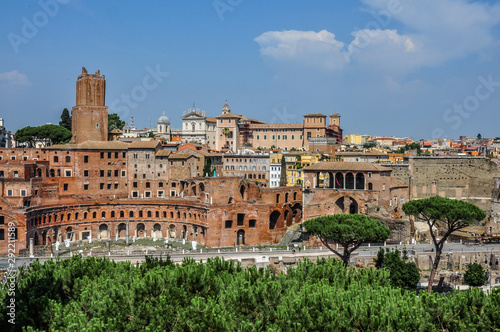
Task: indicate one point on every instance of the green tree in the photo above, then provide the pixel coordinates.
(348, 230)
(369, 145)
(283, 179)
(475, 275)
(65, 119)
(226, 132)
(56, 134)
(114, 122)
(403, 274)
(207, 169)
(446, 215)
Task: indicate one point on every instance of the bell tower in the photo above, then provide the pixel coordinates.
(90, 116)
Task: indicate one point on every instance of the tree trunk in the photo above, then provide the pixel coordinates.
(435, 266)
(346, 255)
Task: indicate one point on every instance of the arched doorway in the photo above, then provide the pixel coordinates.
(339, 181)
(184, 232)
(370, 186)
(347, 205)
(349, 181)
(157, 231)
(69, 233)
(103, 231)
(273, 219)
(140, 230)
(122, 229)
(240, 240)
(360, 181)
(172, 233)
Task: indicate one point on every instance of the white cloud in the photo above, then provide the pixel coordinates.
(15, 78)
(435, 32)
(312, 48)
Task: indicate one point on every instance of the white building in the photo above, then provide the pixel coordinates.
(198, 128)
(274, 175)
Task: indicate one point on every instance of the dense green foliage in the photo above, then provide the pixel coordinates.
(475, 275)
(97, 294)
(207, 168)
(65, 119)
(368, 145)
(56, 134)
(447, 215)
(412, 146)
(348, 230)
(114, 122)
(403, 274)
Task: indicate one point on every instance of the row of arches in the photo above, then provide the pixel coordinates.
(286, 196)
(118, 231)
(122, 214)
(340, 181)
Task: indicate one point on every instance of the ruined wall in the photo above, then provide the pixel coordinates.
(466, 178)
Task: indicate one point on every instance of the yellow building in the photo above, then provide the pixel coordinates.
(356, 139)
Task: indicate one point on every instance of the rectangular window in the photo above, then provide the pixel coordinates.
(86, 187)
(116, 155)
(228, 224)
(116, 186)
(279, 136)
(102, 155)
(135, 194)
(86, 159)
(147, 194)
(110, 172)
(124, 154)
(65, 187)
(258, 137)
(10, 192)
(86, 173)
(160, 193)
(2, 234)
(1, 174)
(109, 186)
(251, 223)
(160, 184)
(101, 186)
(117, 172)
(101, 173)
(23, 192)
(147, 155)
(16, 174)
(369, 174)
(274, 137)
(123, 174)
(135, 155)
(241, 219)
(265, 137)
(67, 173)
(109, 155)
(134, 185)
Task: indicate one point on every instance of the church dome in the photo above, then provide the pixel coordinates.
(163, 119)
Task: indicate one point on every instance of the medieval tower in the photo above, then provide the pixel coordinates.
(90, 116)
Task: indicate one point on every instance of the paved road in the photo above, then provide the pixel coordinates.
(262, 256)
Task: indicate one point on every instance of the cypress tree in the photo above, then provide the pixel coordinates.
(283, 179)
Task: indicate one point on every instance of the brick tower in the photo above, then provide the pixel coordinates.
(90, 116)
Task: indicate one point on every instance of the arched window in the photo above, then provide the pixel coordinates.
(103, 214)
(131, 214)
(94, 215)
(122, 214)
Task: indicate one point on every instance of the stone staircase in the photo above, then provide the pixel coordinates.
(293, 235)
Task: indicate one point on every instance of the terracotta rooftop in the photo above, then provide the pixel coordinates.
(91, 145)
(360, 153)
(144, 144)
(229, 115)
(314, 115)
(395, 183)
(276, 125)
(347, 166)
(163, 153)
(210, 119)
(180, 156)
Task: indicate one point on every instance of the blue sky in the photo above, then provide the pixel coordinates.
(423, 68)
